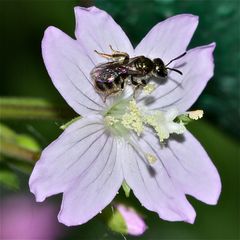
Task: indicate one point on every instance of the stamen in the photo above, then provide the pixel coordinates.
(127, 116)
(195, 115)
(133, 119)
(157, 121)
(145, 156)
(110, 120)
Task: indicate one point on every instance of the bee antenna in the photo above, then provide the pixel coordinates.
(175, 70)
(177, 58)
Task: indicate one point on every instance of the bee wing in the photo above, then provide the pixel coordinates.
(107, 72)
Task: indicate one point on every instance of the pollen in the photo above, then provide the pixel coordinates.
(156, 121)
(127, 116)
(195, 115)
(133, 118)
(149, 88)
(151, 158)
(110, 120)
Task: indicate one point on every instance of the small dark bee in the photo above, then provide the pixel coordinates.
(110, 78)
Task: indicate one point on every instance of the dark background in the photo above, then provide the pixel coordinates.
(22, 26)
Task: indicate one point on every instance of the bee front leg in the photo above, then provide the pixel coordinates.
(136, 91)
(138, 85)
(112, 93)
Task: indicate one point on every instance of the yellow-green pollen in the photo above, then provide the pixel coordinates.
(110, 120)
(133, 119)
(151, 158)
(149, 88)
(127, 115)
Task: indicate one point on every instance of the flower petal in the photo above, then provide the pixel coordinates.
(181, 91)
(194, 171)
(189, 166)
(68, 157)
(153, 186)
(96, 30)
(169, 38)
(94, 189)
(69, 67)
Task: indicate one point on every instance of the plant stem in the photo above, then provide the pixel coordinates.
(33, 108)
(12, 150)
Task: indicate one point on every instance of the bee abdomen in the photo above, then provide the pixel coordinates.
(100, 86)
(109, 85)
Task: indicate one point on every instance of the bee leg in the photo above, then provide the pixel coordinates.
(110, 94)
(123, 56)
(116, 52)
(104, 98)
(104, 55)
(135, 91)
(116, 56)
(136, 86)
(122, 85)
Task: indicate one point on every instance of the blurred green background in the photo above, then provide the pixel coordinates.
(24, 75)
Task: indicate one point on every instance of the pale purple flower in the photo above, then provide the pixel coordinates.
(22, 218)
(90, 160)
(134, 222)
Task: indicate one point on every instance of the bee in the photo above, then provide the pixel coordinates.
(110, 78)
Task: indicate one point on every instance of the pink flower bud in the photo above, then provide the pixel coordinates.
(134, 222)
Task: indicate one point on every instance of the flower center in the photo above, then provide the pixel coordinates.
(125, 117)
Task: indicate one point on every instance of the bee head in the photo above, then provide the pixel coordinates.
(159, 69)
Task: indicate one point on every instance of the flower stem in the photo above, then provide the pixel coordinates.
(12, 150)
(33, 108)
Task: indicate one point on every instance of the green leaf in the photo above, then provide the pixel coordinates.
(27, 142)
(19, 146)
(33, 108)
(22, 166)
(9, 179)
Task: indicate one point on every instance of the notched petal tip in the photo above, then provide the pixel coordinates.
(36, 191)
(65, 221)
(68, 221)
(189, 15)
(39, 197)
(212, 47)
(78, 11)
(64, 218)
(188, 215)
(191, 218)
(213, 198)
(194, 19)
(89, 9)
(50, 35)
(51, 32)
